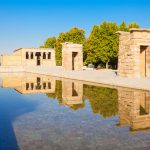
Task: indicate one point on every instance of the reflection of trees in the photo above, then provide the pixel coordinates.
(103, 100)
(58, 92)
(77, 106)
(58, 95)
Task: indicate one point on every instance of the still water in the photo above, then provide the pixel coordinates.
(46, 113)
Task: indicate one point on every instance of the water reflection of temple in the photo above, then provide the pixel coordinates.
(72, 93)
(134, 109)
(133, 106)
(30, 84)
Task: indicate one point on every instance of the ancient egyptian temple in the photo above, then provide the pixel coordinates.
(72, 57)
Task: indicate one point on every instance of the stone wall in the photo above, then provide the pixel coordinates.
(33, 61)
(125, 59)
(131, 62)
(10, 60)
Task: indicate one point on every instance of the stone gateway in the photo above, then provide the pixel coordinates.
(134, 53)
(72, 56)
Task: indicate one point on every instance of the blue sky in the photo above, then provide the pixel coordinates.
(27, 23)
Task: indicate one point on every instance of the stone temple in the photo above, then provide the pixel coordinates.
(134, 53)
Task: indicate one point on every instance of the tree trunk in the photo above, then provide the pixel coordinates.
(107, 64)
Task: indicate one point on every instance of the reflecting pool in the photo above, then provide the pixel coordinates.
(47, 113)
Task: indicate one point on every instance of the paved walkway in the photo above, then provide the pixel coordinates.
(107, 77)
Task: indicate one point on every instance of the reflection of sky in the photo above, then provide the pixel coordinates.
(27, 23)
(12, 105)
(41, 123)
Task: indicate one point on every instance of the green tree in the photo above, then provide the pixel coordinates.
(123, 27)
(91, 46)
(74, 35)
(101, 101)
(102, 44)
(108, 51)
(58, 51)
(133, 25)
(101, 47)
(58, 92)
(49, 43)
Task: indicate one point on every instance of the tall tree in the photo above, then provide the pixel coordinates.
(101, 47)
(109, 42)
(101, 101)
(133, 25)
(58, 51)
(74, 35)
(91, 46)
(49, 43)
(102, 44)
(123, 27)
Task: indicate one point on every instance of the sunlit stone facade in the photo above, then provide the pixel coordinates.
(30, 57)
(72, 56)
(134, 53)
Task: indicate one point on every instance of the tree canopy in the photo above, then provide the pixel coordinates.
(123, 27)
(102, 46)
(101, 101)
(99, 48)
(49, 43)
(74, 35)
(133, 25)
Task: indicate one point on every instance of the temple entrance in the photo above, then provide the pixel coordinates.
(143, 61)
(74, 61)
(38, 54)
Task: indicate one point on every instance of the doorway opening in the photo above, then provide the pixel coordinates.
(143, 70)
(74, 61)
(38, 54)
(74, 92)
(38, 86)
